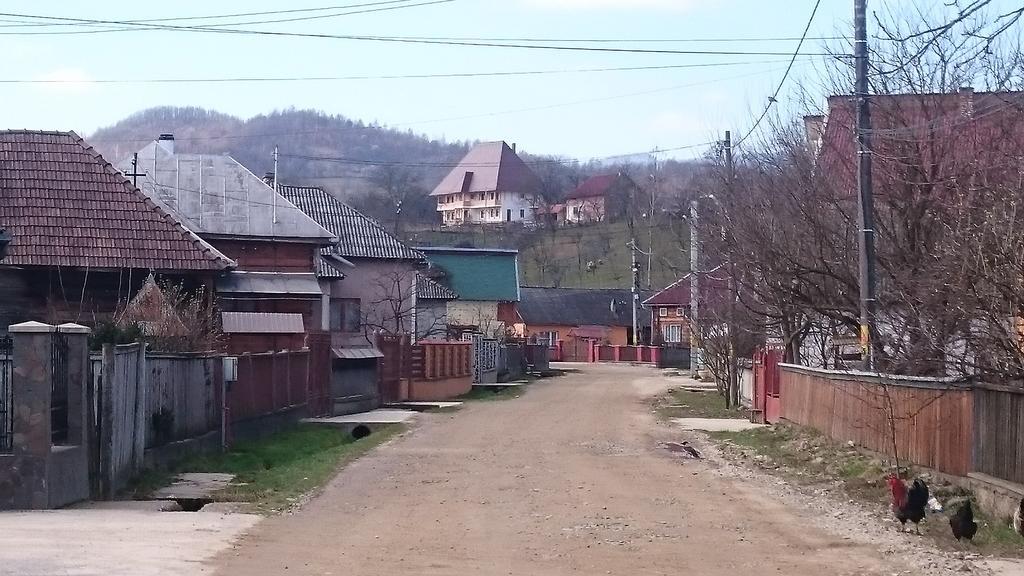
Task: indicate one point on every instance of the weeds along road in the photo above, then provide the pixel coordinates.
(568, 479)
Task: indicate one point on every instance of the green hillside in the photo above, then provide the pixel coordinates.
(594, 256)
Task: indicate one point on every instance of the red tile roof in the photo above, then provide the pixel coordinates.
(594, 187)
(64, 205)
(713, 289)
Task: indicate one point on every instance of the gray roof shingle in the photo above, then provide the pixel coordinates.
(579, 307)
(428, 289)
(359, 236)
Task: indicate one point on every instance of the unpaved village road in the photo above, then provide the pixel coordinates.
(568, 479)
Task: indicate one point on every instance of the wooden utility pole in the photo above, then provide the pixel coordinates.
(868, 299)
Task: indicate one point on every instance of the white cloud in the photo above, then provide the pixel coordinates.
(676, 5)
(66, 81)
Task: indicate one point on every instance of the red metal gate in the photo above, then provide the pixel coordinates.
(767, 400)
(394, 368)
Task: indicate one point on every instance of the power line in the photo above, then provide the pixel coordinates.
(140, 25)
(380, 77)
(413, 40)
(452, 118)
(28, 24)
(774, 97)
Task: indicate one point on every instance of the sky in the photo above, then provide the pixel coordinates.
(577, 114)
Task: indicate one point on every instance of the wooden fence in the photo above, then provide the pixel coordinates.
(930, 422)
(120, 377)
(999, 432)
(184, 393)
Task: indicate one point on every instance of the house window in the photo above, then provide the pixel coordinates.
(345, 315)
(673, 333)
(679, 312)
(522, 213)
(549, 338)
(663, 312)
(575, 211)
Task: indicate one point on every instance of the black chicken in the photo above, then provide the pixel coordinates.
(908, 504)
(962, 523)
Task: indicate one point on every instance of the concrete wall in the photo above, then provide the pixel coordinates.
(439, 390)
(431, 319)
(386, 290)
(471, 313)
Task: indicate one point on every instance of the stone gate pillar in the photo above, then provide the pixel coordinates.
(23, 472)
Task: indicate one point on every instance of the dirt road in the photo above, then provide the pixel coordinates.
(568, 479)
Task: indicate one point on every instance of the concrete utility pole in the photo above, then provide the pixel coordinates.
(730, 176)
(694, 290)
(275, 184)
(868, 299)
(634, 271)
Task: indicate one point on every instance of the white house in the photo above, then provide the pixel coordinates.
(491, 184)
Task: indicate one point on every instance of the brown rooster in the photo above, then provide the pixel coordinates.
(908, 504)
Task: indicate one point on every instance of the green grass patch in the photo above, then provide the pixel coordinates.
(274, 473)
(805, 457)
(489, 394)
(688, 404)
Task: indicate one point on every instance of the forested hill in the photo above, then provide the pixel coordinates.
(303, 133)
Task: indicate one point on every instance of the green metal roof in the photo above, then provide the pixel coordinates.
(478, 274)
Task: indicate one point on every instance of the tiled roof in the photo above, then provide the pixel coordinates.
(65, 205)
(675, 294)
(714, 290)
(578, 307)
(217, 196)
(488, 167)
(358, 235)
(594, 187)
(428, 289)
(477, 274)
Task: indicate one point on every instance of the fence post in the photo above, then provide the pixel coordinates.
(141, 404)
(31, 372)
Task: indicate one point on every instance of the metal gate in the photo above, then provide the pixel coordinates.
(485, 357)
(59, 389)
(6, 395)
(767, 396)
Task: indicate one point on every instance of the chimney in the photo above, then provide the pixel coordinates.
(967, 101)
(166, 141)
(268, 179)
(814, 126)
(513, 146)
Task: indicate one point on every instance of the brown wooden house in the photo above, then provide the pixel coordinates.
(276, 246)
(83, 239)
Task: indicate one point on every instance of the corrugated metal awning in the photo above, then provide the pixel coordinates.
(357, 353)
(287, 283)
(262, 323)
